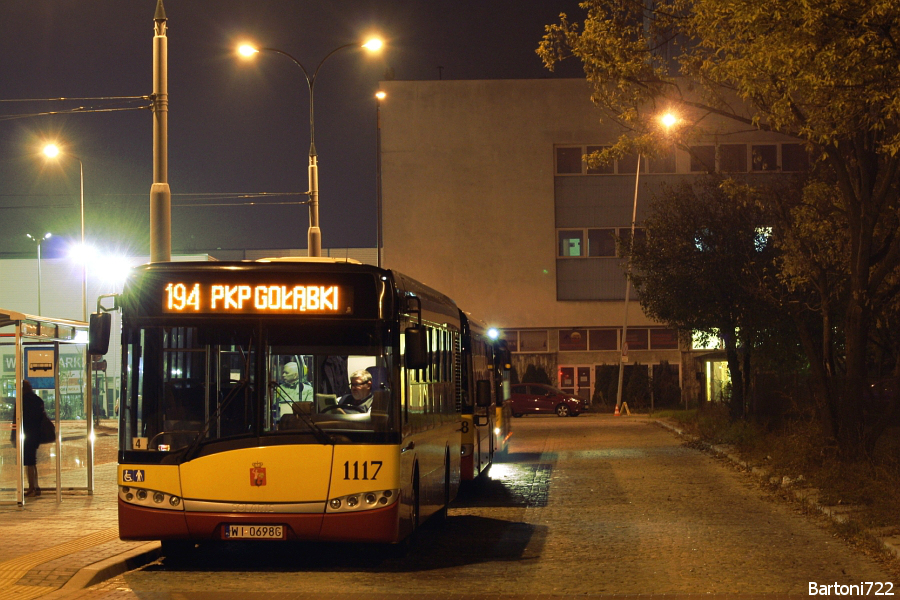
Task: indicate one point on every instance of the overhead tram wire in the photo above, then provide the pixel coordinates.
(242, 199)
(77, 109)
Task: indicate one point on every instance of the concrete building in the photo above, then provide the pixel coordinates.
(486, 198)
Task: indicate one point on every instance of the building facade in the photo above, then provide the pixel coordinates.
(486, 198)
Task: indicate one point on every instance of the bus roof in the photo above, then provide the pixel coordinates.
(310, 259)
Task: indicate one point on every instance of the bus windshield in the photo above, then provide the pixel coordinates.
(188, 386)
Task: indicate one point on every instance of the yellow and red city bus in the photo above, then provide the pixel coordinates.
(485, 416)
(219, 442)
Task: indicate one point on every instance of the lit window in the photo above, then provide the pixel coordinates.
(571, 242)
(761, 239)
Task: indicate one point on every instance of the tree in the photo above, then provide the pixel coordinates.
(823, 72)
(637, 388)
(699, 270)
(666, 388)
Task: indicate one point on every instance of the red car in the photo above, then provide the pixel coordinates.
(537, 398)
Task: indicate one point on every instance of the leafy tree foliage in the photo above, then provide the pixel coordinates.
(700, 269)
(822, 71)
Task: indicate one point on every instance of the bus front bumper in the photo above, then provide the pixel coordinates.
(377, 525)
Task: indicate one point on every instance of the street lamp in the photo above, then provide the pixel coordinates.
(53, 151)
(39, 241)
(315, 233)
(667, 120)
(379, 96)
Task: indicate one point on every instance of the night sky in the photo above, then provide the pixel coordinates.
(235, 126)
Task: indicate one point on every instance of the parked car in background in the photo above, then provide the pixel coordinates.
(537, 398)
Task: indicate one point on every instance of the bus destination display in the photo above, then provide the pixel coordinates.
(205, 298)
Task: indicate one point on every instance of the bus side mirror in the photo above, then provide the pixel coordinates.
(483, 393)
(98, 334)
(416, 355)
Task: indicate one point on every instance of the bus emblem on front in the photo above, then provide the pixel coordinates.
(257, 474)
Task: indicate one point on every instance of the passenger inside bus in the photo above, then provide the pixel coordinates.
(292, 388)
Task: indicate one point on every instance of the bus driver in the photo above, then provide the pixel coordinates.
(359, 400)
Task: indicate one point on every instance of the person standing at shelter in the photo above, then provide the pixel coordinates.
(32, 413)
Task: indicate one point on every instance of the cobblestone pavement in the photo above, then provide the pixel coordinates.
(595, 506)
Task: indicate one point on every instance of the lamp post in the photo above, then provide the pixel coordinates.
(314, 243)
(52, 151)
(39, 241)
(667, 120)
(379, 96)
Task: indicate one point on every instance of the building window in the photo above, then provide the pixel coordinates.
(663, 339)
(627, 165)
(765, 157)
(794, 158)
(571, 242)
(664, 163)
(705, 342)
(602, 242)
(733, 158)
(604, 339)
(637, 338)
(569, 160)
(703, 159)
(573, 340)
(533, 341)
(511, 338)
(607, 169)
(640, 236)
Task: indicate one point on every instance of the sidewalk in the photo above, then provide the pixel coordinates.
(51, 548)
(887, 537)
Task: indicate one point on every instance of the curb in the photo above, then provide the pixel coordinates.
(888, 538)
(109, 568)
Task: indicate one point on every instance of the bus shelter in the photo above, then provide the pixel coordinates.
(53, 355)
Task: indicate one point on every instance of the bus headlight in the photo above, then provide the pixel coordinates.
(149, 498)
(364, 501)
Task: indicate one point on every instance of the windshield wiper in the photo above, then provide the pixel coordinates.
(321, 435)
(190, 451)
